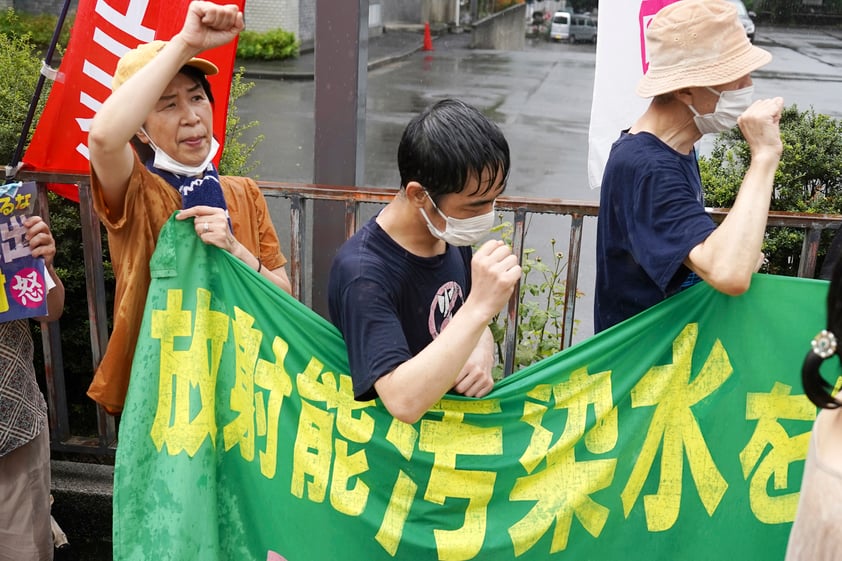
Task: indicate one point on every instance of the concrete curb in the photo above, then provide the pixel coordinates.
(258, 74)
(387, 53)
(266, 74)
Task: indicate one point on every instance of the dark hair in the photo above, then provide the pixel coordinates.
(447, 144)
(199, 76)
(816, 387)
(144, 151)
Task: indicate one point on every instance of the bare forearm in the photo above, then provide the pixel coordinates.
(728, 257)
(125, 110)
(278, 276)
(419, 383)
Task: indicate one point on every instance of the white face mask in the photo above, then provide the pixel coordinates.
(460, 231)
(731, 105)
(164, 161)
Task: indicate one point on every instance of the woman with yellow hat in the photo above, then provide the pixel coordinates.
(151, 145)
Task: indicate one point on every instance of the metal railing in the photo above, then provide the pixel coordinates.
(354, 199)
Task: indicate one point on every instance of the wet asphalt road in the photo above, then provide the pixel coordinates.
(541, 98)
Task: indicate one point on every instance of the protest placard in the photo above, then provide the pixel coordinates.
(22, 276)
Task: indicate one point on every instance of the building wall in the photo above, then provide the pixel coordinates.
(401, 11)
(438, 11)
(501, 31)
(307, 21)
(264, 15)
(375, 17)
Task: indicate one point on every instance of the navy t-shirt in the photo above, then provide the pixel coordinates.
(651, 214)
(390, 304)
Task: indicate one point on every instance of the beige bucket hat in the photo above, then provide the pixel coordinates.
(696, 43)
(140, 56)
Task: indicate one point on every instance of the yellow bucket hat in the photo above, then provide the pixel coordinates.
(140, 56)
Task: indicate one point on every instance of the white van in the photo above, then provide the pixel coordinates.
(582, 28)
(560, 26)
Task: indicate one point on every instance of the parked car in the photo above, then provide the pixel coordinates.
(572, 27)
(582, 28)
(746, 18)
(560, 26)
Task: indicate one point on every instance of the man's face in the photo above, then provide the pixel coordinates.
(705, 100)
(181, 123)
(473, 200)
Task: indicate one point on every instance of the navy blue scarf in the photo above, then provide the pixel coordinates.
(196, 191)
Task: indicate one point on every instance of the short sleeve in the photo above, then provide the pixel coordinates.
(666, 222)
(373, 334)
(252, 222)
(270, 245)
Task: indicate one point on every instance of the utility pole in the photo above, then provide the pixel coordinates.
(341, 71)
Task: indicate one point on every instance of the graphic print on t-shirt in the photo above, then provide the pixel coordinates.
(447, 300)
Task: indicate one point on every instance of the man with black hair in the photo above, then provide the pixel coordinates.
(411, 301)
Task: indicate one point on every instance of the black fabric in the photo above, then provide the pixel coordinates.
(651, 214)
(390, 304)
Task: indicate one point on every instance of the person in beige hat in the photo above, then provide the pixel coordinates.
(654, 237)
(161, 103)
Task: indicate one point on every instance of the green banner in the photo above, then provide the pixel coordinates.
(679, 434)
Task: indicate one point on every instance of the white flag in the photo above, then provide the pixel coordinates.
(620, 62)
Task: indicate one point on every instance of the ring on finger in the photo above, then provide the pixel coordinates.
(207, 228)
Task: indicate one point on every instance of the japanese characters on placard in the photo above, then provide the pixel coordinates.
(22, 276)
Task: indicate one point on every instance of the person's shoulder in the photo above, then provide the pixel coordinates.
(359, 264)
(629, 154)
(633, 143)
(239, 182)
(359, 245)
(644, 153)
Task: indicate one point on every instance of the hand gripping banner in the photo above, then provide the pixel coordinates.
(679, 434)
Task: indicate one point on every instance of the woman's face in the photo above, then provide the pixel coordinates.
(181, 123)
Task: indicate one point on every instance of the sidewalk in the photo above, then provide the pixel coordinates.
(393, 44)
(815, 53)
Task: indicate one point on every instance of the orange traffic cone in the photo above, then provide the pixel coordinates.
(428, 39)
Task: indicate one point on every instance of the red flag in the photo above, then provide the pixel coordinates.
(102, 32)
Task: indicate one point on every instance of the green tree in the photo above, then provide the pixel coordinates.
(580, 6)
(275, 44)
(21, 67)
(237, 157)
(37, 28)
(808, 179)
(782, 11)
(77, 357)
(19, 58)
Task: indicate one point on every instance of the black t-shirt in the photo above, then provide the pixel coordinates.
(390, 304)
(651, 214)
